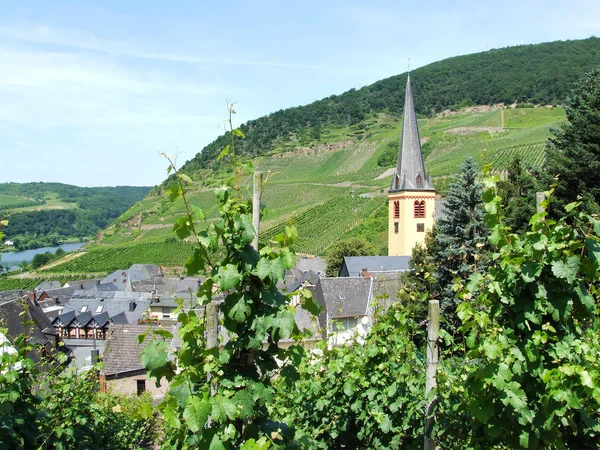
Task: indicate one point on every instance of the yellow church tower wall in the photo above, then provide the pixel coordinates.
(411, 215)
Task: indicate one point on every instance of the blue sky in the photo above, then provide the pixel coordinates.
(91, 92)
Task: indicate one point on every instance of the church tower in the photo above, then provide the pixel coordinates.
(411, 197)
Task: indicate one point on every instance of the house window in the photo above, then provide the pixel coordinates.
(344, 324)
(419, 209)
(396, 209)
(420, 227)
(395, 227)
(141, 386)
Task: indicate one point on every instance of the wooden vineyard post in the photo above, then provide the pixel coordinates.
(212, 334)
(433, 320)
(256, 196)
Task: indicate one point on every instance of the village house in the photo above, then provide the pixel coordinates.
(347, 307)
(123, 372)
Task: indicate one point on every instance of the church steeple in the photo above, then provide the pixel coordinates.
(411, 197)
(410, 170)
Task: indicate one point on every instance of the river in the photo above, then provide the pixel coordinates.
(12, 259)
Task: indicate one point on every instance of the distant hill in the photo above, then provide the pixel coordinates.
(42, 214)
(538, 74)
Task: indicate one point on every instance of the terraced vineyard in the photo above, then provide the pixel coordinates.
(532, 154)
(106, 260)
(322, 225)
(16, 284)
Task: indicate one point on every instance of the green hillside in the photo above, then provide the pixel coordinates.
(42, 214)
(331, 190)
(330, 162)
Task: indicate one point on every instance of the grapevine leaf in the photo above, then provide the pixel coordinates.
(593, 249)
(288, 258)
(174, 192)
(566, 269)
(309, 303)
(196, 412)
(229, 277)
(222, 408)
(182, 227)
(223, 153)
(238, 132)
(240, 311)
(154, 355)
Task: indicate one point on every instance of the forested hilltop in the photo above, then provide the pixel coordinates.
(539, 74)
(41, 214)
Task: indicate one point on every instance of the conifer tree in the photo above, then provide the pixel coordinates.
(574, 154)
(518, 196)
(461, 239)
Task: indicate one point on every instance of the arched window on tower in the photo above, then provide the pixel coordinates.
(396, 209)
(419, 209)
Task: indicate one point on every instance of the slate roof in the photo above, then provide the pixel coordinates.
(184, 288)
(83, 284)
(305, 264)
(41, 332)
(294, 280)
(122, 350)
(410, 167)
(113, 303)
(344, 297)
(385, 287)
(61, 295)
(124, 279)
(47, 285)
(353, 265)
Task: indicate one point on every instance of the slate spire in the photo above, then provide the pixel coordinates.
(410, 171)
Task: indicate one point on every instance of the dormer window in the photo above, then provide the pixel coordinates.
(419, 181)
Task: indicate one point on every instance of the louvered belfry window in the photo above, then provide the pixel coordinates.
(396, 209)
(419, 209)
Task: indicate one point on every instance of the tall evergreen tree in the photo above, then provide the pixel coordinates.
(574, 154)
(518, 196)
(461, 240)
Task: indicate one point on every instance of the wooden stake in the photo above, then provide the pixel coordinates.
(212, 335)
(256, 196)
(433, 316)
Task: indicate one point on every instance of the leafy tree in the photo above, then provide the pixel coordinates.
(461, 238)
(518, 195)
(355, 246)
(41, 259)
(574, 155)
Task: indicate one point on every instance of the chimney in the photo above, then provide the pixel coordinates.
(131, 306)
(365, 273)
(95, 355)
